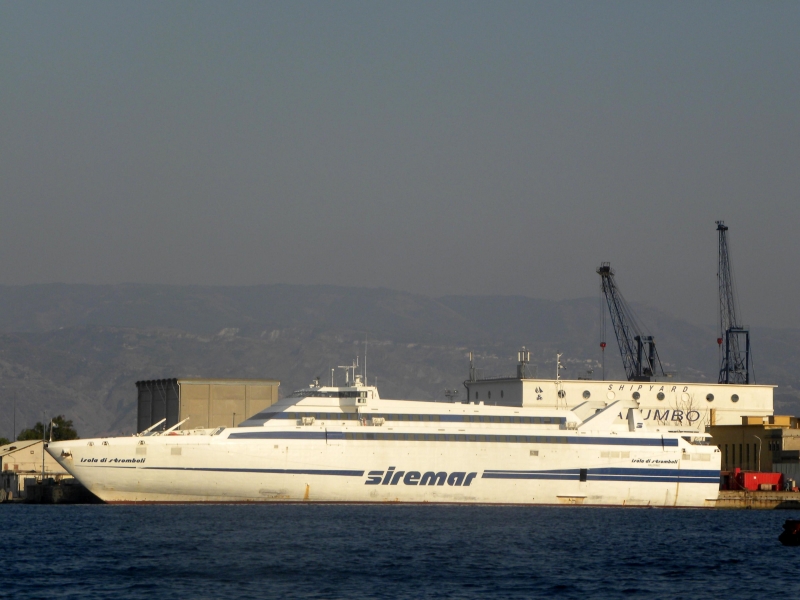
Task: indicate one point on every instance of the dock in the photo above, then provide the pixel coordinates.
(757, 500)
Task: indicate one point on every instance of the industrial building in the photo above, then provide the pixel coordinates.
(760, 444)
(21, 463)
(205, 403)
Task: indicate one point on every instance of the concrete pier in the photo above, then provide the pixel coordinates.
(758, 500)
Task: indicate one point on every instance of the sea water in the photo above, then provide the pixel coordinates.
(391, 551)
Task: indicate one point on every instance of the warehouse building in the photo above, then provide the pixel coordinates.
(21, 462)
(759, 444)
(205, 402)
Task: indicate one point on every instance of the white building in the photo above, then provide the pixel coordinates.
(697, 405)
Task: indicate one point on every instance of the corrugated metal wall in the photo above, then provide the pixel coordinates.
(207, 402)
(158, 399)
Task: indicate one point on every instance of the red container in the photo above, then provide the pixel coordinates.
(753, 480)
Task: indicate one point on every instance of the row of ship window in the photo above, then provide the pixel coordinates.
(429, 418)
(636, 395)
(320, 394)
(528, 420)
(448, 437)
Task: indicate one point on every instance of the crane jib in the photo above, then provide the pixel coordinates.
(734, 363)
(639, 355)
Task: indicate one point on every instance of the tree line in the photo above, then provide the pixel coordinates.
(62, 429)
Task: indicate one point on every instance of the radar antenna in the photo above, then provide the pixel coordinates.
(734, 365)
(350, 377)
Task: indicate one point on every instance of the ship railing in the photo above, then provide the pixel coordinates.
(696, 440)
(371, 421)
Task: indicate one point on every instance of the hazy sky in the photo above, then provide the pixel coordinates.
(435, 147)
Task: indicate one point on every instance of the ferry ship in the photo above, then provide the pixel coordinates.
(347, 444)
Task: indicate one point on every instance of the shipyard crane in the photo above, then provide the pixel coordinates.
(734, 365)
(639, 356)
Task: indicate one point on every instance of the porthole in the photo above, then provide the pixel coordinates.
(735, 398)
(586, 393)
(710, 397)
(610, 395)
(636, 395)
(561, 393)
(660, 395)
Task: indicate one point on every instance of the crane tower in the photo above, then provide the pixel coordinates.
(734, 364)
(639, 356)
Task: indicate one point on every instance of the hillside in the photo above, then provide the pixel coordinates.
(78, 349)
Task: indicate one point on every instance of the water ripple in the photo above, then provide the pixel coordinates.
(390, 551)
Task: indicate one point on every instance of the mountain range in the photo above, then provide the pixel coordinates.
(77, 350)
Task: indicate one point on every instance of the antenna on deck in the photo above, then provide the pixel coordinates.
(347, 371)
(523, 357)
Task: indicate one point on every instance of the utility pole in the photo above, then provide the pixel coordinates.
(758, 458)
(603, 351)
(43, 442)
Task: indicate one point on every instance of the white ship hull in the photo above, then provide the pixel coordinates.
(324, 450)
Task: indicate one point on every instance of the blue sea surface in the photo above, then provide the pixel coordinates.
(391, 551)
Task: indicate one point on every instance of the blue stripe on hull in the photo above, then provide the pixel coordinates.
(614, 474)
(602, 441)
(656, 472)
(601, 474)
(563, 476)
(667, 479)
(278, 435)
(339, 435)
(340, 472)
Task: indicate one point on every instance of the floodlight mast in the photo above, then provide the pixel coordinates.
(734, 365)
(640, 364)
